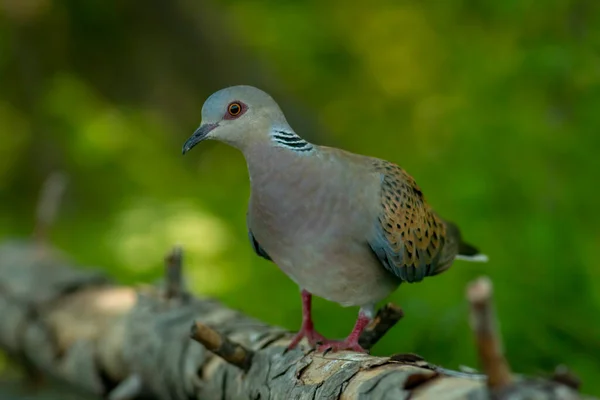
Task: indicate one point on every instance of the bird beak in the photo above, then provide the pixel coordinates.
(198, 136)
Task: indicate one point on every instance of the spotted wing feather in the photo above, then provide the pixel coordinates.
(409, 236)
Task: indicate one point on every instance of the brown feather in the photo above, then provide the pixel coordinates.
(411, 227)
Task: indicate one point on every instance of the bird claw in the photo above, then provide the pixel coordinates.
(310, 334)
(338, 345)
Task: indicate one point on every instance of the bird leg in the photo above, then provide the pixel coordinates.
(351, 342)
(308, 329)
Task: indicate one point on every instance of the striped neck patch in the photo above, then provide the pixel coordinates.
(291, 141)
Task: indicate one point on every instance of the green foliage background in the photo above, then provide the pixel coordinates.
(492, 106)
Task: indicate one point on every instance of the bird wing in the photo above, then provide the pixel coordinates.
(254, 243)
(409, 235)
(256, 247)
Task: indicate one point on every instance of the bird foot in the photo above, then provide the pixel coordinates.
(338, 345)
(310, 334)
(351, 342)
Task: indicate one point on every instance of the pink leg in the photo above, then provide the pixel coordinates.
(351, 342)
(307, 330)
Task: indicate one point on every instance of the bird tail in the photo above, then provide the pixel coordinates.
(450, 253)
(468, 252)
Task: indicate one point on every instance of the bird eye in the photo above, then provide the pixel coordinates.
(234, 109)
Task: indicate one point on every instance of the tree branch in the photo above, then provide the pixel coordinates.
(119, 342)
(233, 353)
(385, 320)
(173, 274)
(483, 323)
(74, 325)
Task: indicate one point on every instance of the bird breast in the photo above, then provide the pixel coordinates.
(313, 219)
(300, 200)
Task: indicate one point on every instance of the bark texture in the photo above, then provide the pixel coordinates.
(74, 325)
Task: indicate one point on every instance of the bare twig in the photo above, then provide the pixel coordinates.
(173, 273)
(386, 318)
(483, 324)
(232, 352)
(48, 203)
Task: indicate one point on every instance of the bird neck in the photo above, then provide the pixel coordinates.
(282, 152)
(287, 138)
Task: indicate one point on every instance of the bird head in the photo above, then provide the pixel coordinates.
(238, 116)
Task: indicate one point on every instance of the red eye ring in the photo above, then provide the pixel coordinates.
(234, 109)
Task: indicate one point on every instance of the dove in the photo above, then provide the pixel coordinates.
(345, 227)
